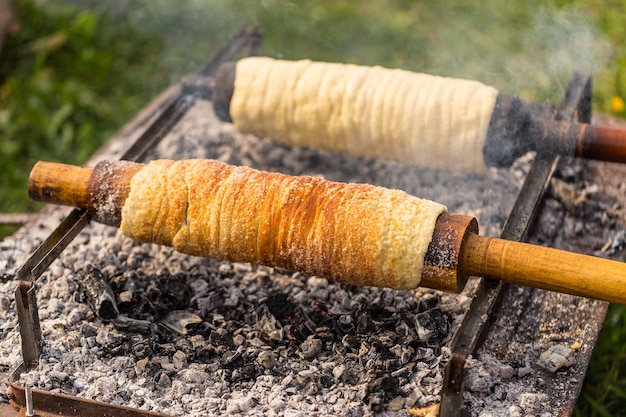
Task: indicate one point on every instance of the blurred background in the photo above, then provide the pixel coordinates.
(73, 72)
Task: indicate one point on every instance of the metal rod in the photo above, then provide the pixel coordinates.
(25, 297)
(29, 401)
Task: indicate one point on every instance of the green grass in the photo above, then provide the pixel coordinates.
(66, 85)
(70, 78)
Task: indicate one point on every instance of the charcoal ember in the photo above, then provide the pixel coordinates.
(301, 325)
(207, 302)
(311, 382)
(99, 295)
(132, 325)
(311, 348)
(403, 352)
(112, 342)
(232, 359)
(184, 345)
(220, 340)
(280, 305)
(248, 372)
(343, 324)
(87, 330)
(424, 354)
(556, 357)
(61, 380)
(348, 373)
(351, 341)
(167, 293)
(365, 324)
(386, 338)
(267, 324)
(428, 303)
(432, 325)
(355, 411)
(179, 359)
(325, 334)
(204, 354)
(267, 359)
(136, 305)
(141, 346)
(181, 322)
(382, 390)
(149, 367)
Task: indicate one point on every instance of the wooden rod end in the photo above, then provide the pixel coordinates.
(55, 183)
(442, 270)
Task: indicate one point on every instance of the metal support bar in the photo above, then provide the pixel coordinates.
(25, 297)
(575, 105)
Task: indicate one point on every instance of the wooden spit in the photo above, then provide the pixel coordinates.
(455, 253)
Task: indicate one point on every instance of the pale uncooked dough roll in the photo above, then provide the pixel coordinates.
(418, 119)
(355, 233)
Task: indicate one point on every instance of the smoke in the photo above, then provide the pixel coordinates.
(560, 42)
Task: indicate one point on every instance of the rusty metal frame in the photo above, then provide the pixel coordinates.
(575, 105)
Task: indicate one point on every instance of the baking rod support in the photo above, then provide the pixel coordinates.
(576, 105)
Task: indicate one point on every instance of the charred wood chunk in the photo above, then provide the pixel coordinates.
(141, 346)
(381, 391)
(131, 325)
(181, 322)
(99, 295)
(167, 293)
(432, 325)
(280, 305)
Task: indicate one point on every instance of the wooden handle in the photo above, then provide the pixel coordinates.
(546, 268)
(101, 190)
(56, 183)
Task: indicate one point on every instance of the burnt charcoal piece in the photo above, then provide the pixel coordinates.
(203, 354)
(141, 346)
(302, 326)
(99, 295)
(344, 324)
(208, 303)
(168, 293)
(131, 325)
(428, 303)
(380, 391)
(280, 306)
(268, 326)
(181, 321)
(232, 360)
(246, 372)
(220, 339)
(432, 325)
(365, 324)
(311, 348)
(136, 305)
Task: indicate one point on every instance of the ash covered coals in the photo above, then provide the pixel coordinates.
(306, 343)
(374, 343)
(197, 337)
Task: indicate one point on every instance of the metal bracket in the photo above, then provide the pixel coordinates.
(576, 105)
